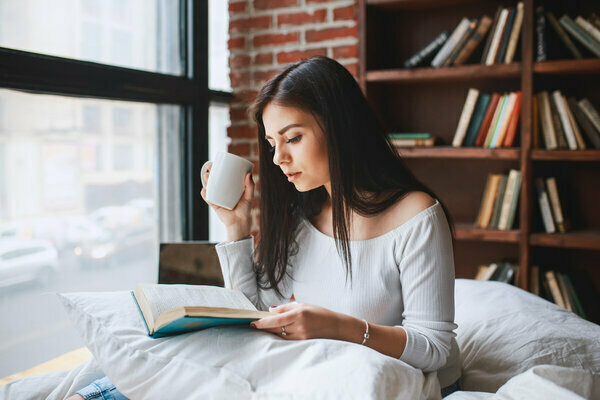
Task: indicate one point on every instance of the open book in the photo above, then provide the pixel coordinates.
(175, 309)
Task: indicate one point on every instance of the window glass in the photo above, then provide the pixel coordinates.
(78, 211)
(218, 35)
(140, 34)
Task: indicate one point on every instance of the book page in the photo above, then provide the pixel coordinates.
(167, 297)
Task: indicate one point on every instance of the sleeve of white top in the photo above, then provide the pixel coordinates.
(236, 260)
(426, 264)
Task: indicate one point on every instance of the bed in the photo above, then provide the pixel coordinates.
(513, 345)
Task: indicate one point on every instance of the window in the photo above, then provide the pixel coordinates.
(104, 115)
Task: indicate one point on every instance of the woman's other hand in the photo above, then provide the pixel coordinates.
(303, 321)
(238, 222)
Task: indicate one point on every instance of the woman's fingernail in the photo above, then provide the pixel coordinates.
(272, 307)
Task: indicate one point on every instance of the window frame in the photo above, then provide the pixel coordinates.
(39, 73)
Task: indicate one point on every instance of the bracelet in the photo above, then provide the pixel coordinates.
(366, 334)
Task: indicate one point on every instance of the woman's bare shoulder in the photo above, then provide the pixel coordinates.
(409, 206)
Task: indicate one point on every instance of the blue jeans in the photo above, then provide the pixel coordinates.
(448, 390)
(102, 389)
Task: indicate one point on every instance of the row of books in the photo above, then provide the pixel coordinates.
(488, 120)
(585, 32)
(504, 271)
(499, 201)
(503, 32)
(408, 139)
(560, 120)
(558, 288)
(550, 205)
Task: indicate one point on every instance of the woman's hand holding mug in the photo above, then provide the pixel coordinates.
(229, 192)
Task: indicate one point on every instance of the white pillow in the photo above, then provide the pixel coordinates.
(504, 331)
(233, 362)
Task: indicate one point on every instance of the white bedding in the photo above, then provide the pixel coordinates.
(235, 362)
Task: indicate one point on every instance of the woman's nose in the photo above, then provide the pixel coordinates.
(278, 156)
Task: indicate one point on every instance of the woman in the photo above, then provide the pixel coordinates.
(352, 246)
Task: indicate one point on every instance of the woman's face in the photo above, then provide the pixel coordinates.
(298, 146)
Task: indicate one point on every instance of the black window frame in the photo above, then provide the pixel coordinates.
(39, 73)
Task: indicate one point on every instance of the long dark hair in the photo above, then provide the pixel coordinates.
(367, 175)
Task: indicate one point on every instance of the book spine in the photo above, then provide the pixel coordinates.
(514, 35)
(427, 51)
(555, 203)
(480, 108)
(444, 52)
(544, 206)
(589, 28)
(487, 119)
(490, 197)
(482, 220)
(494, 124)
(498, 202)
(590, 112)
(493, 52)
(504, 120)
(488, 42)
(564, 291)
(511, 131)
(506, 35)
(513, 202)
(413, 142)
(476, 38)
(561, 140)
(554, 289)
(586, 125)
(546, 121)
(461, 43)
(563, 35)
(465, 117)
(580, 35)
(534, 279)
(578, 306)
(536, 123)
(540, 34)
(580, 143)
(409, 135)
(511, 188)
(564, 120)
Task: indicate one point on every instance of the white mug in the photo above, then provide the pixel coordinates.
(226, 184)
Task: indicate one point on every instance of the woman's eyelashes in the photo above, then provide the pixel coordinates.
(295, 139)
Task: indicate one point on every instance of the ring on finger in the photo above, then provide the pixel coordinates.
(283, 332)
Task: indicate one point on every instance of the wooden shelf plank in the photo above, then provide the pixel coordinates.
(565, 155)
(414, 4)
(564, 67)
(466, 72)
(588, 240)
(458, 152)
(471, 232)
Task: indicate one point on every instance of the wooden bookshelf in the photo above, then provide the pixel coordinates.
(431, 99)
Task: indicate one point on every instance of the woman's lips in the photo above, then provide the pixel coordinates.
(293, 177)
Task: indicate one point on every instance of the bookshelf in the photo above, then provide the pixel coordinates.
(431, 99)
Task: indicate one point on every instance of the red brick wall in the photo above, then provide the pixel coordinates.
(264, 36)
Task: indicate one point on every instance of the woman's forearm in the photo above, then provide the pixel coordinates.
(388, 340)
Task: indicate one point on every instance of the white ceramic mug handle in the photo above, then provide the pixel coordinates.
(203, 170)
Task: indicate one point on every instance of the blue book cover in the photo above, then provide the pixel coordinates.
(480, 108)
(163, 315)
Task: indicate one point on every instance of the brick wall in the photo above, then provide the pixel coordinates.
(264, 36)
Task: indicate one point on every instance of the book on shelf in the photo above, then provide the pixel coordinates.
(510, 200)
(535, 123)
(555, 204)
(580, 35)
(499, 271)
(534, 280)
(497, 37)
(505, 118)
(481, 106)
(427, 52)
(511, 130)
(487, 200)
(544, 203)
(554, 288)
(589, 28)
(546, 123)
(487, 119)
(561, 139)
(465, 117)
(498, 202)
(495, 120)
(540, 34)
(564, 291)
(413, 142)
(590, 112)
(564, 121)
(474, 40)
(510, 20)
(174, 309)
(461, 43)
(576, 131)
(409, 135)
(562, 35)
(514, 35)
(452, 41)
(592, 135)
